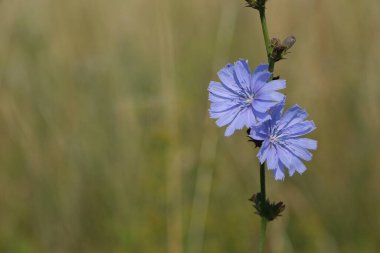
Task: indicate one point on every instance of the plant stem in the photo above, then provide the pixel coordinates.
(262, 181)
(264, 221)
(266, 38)
(271, 62)
(262, 234)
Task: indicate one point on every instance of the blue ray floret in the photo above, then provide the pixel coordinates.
(242, 99)
(282, 143)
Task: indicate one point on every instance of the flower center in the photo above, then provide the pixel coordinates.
(249, 100)
(273, 139)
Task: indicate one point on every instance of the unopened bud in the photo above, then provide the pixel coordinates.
(275, 42)
(265, 208)
(256, 4)
(289, 42)
(280, 49)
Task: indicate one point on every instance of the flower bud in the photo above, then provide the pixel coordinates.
(289, 42)
(280, 49)
(256, 4)
(275, 42)
(265, 208)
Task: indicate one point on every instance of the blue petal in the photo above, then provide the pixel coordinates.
(227, 117)
(261, 68)
(299, 151)
(221, 90)
(259, 132)
(260, 116)
(259, 80)
(271, 96)
(222, 107)
(284, 156)
(216, 110)
(266, 101)
(237, 123)
(263, 152)
(217, 106)
(279, 173)
(216, 115)
(290, 161)
(299, 129)
(247, 117)
(292, 116)
(272, 86)
(298, 165)
(272, 158)
(262, 105)
(227, 76)
(250, 120)
(304, 143)
(242, 73)
(276, 111)
(214, 98)
(245, 64)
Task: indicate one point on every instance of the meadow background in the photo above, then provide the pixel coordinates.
(106, 144)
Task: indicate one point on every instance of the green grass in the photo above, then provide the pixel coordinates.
(106, 144)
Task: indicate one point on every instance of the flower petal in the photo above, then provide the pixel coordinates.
(263, 152)
(237, 123)
(259, 80)
(304, 143)
(279, 173)
(292, 116)
(261, 68)
(262, 105)
(250, 119)
(242, 73)
(300, 152)
(270, 96)
(220, 108)
(298, 165)
(221, 90)
(299, 129)
(272, 158)
(290, 161)
(260, 116)
(259, 132)
(227, 117)
(214, 98)
(227, 76)
(273, 86)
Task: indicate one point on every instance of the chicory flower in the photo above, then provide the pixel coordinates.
(282, 145)
(242, 99)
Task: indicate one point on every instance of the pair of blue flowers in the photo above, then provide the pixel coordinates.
(246, 99)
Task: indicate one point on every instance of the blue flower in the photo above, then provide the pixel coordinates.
(242, 99)
(282, 144)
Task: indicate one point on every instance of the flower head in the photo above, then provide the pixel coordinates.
(242, 99)
(282, 143)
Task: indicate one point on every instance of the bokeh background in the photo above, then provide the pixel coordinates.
(105, 140)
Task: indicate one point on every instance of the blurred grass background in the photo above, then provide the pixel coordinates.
(106, 144)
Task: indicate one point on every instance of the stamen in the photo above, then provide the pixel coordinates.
(249, 99)
(273, 138)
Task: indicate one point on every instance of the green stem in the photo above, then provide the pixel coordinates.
(262, 181)
(271, 62)
(263, 219)
(266, 38)
(262, 235)
(265, 31)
